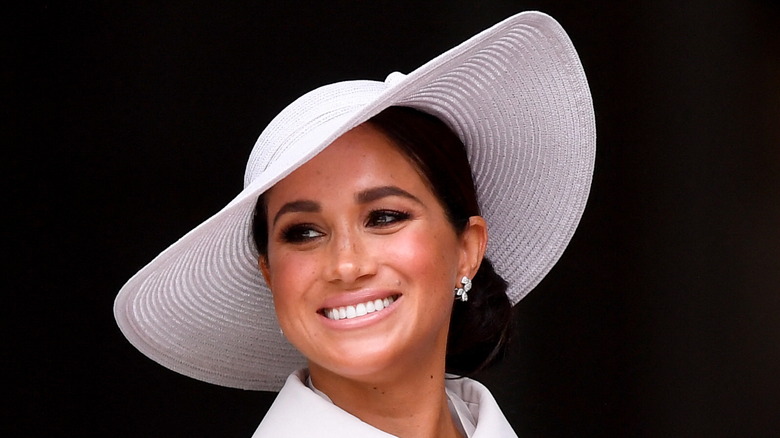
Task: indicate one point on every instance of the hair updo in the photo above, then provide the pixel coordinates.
(479, 328)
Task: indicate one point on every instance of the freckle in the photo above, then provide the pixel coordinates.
(431, 376)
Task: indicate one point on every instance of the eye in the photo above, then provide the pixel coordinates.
(384, 218)
(300, 233)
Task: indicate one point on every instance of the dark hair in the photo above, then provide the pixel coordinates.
(479, 328)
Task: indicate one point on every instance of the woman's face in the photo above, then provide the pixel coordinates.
(362, 260)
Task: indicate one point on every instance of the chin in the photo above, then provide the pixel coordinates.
(382, 363)
(365, 366)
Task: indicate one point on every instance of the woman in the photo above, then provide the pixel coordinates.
(361, 242)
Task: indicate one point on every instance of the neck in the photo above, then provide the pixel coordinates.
(409, 404)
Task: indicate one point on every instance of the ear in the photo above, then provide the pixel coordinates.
(474, 243)
(262, 263)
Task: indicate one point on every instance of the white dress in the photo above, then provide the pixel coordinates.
(301, 411)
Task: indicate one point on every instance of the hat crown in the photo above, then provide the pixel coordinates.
(309, 120)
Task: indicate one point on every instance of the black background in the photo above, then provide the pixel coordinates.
(125, 125)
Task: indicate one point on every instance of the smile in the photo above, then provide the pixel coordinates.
(360, 309)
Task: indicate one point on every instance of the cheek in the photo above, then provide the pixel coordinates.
(291, 276)
(428, 257)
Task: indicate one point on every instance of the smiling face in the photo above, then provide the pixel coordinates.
(362, 260)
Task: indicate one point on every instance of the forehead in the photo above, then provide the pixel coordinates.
(361, 158)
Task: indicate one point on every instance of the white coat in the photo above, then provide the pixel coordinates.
(300, 412)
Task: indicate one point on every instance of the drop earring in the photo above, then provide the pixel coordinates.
(461, 293)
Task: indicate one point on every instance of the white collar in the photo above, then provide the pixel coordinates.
(460, 412)
(300, 411)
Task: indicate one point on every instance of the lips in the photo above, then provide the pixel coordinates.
(359, 309)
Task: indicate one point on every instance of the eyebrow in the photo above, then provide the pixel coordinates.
(373, 194)
(297, 206)
(364, 197)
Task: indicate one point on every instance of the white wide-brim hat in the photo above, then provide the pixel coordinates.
(517, 97)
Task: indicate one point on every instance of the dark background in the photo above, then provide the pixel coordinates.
(129, 124)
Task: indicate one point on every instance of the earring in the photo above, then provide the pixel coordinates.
(461, 293)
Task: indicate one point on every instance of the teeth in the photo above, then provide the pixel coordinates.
(349, 312)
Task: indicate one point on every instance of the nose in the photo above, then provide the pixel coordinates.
(350, 258)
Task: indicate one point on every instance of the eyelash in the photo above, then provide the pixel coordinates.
(295, 233)
(396, 215)
(376, 218)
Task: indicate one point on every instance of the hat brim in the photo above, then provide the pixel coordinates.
(517, 96)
